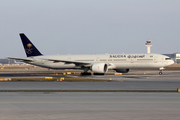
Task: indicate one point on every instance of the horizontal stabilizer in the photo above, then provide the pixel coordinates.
(21, 59)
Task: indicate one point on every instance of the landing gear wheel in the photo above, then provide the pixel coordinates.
(85, 73)
(160, 73)
(98, 73)
(160, 70)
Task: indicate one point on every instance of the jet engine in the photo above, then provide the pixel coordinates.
(99, 68)
(122, 70)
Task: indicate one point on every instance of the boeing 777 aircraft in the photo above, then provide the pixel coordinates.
(98, 64)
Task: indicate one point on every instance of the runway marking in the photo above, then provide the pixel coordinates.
(89, 102)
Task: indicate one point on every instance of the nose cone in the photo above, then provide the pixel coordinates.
(171, 62)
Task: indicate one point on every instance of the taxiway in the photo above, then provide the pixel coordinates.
(89, 106)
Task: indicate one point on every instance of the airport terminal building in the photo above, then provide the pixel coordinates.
(175, 57)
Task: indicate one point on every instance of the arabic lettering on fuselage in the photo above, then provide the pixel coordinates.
(126, 56)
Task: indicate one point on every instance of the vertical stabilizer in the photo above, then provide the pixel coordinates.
(29, 48)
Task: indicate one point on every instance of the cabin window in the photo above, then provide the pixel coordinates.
(102, 59)
(119, 59)
(84, 60)
(144, 59)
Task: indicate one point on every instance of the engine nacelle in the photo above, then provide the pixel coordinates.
(99, 68)
(122, 70)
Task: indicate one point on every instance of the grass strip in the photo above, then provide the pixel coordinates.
(57, 79)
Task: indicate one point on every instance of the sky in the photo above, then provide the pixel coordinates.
(90, 26)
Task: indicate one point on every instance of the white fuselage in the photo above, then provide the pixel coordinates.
(98, 64)
(114, 61)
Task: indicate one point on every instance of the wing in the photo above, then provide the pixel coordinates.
(70, 62)
(75, 62)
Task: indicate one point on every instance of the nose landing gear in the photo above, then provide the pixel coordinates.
(161, 69)
(160, 72)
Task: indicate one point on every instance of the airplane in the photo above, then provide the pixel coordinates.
(98, 64)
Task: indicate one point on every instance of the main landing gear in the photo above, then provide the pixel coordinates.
(98, 73)
(85, 73)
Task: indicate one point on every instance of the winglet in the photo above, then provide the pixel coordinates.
(29, 48)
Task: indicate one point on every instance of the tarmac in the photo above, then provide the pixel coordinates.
(94, 105)
(111, 85)
(89, 106)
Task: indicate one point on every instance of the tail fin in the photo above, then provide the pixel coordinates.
(29, 48)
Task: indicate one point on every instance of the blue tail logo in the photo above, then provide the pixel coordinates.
(29, 48)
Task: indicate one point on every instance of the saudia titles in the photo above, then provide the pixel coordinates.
(126, 56)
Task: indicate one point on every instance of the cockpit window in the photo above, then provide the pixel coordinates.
(168, 58)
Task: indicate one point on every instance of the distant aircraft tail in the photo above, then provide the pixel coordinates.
(29, 48)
